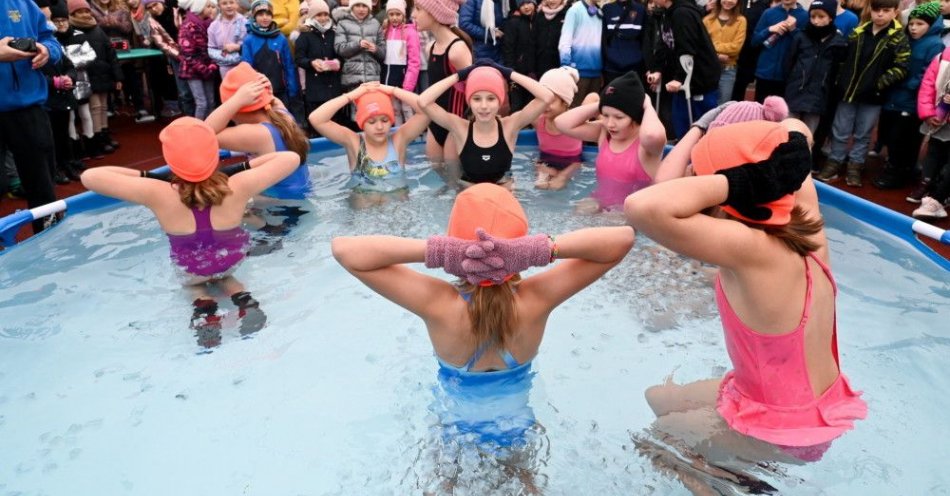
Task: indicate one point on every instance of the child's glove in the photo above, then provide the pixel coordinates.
(710, 116)
(754, 184)
(510, 256)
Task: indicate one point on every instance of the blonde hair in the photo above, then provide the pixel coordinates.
(293, 136)
(205, 193)
(492, 312)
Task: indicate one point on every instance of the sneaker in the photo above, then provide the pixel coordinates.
(16, 193)
(829, 172)
(930, 209)
(919, 192)
(142, 116)
(890, 178)
(169, 112)
(874, 153)
(853, 176)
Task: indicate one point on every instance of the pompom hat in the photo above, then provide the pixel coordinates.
(773, 109)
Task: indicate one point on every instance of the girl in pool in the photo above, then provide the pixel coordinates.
(377, 157)
(452, 50)
(486, 142)
(560, 155)
(629, 135)
(752, 210)
(264, 125)
(485, 328)
(201, 214)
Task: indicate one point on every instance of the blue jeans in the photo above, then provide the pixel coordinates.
(852, 119)
(186, 102)
(726, 81)
(203, 91)
(700, 104)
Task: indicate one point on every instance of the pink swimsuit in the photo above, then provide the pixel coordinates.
(557, 150)
(619, 174)
(769, 396)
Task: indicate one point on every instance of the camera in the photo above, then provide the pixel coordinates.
(23, 45)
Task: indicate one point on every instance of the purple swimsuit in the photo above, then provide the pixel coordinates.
(208, 252)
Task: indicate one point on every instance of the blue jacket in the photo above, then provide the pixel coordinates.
(903, 98)
(771, 63)
(579, 45)
(813, 69)
(20, 85)
(470, 21)
(253, 43)
(622, 38)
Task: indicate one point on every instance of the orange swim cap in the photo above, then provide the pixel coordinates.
(736, 144)
(190, 148)
(371, 104)
(240, 75)
(490, 207)
(486, 79)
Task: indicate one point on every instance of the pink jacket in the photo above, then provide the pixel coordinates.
(928, 95)
(407, 32)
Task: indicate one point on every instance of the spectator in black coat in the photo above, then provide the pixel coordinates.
(547, 33)
(314, 53)
(518, 50)
(749, 55)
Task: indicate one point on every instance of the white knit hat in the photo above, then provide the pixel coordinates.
(397, 5)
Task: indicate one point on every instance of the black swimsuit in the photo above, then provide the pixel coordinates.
(485, 165)
(453, 100)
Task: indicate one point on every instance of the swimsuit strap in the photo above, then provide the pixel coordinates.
(202, 218)
(501, 133)
(275, 135)
(834, 287)
(478, 354)
(509, 359)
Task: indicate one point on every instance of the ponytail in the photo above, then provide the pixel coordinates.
(293, 136)
(492, 312)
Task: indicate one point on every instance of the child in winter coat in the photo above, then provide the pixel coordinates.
(267, 50)
(547, 32)
(518, 50)
(814, 58)
(903, 138)
(105, 75)
(933, 100)
(402, 56)
(361, 43)
(197, 68)
(317, 58)
(62, 77)
(225, 36)
(727, 28)
(80, 55)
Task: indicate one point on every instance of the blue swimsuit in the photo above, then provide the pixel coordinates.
(296, 186)
(385, 176)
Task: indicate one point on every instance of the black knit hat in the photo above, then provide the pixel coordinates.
(829, 6)
(625, 94)
(58, 10)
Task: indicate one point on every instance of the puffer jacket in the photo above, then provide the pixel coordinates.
(311, 45)
(484, 46)
(933, 87)
(903, 98)
(887, 66)
(193, 40)
(104, 71)
(359, 66)
(813, 66)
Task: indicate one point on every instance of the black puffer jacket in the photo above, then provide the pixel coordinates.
(105, 71)
(547, 34)
(813, 66)
(312, 45)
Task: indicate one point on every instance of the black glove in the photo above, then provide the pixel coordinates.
(161, 176)
(465, 71)
(754, 184)
(233, 169)
(505, 71)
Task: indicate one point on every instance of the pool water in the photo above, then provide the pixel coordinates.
(104, 389)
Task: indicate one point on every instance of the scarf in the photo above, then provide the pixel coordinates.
(322, 28)
(487, 17)
(817, 34)
(551, 13)
(268, 32)
(82, 21)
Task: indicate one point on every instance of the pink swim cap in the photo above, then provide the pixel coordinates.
(486, 79)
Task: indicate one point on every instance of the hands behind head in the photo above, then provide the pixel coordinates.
(485, 62)
(363, 89)
(488, 258)
(249, 92)
(710, 116)
(755, 184)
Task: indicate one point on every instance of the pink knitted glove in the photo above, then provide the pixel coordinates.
(448, 253)
(481, 265)
(511, 256)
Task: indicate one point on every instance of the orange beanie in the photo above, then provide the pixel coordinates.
(736, 144)
(240, 75)
(371, 104)
(190, 148)
(490, 207)
(486, 79)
